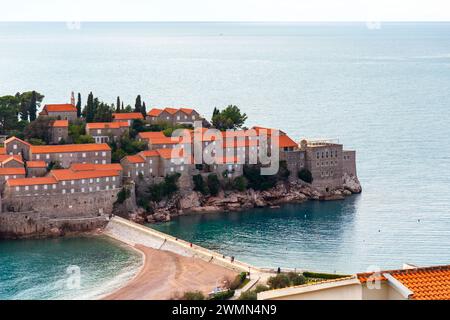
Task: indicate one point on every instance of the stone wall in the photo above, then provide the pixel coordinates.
(70, 204)
(349, 162)
(38, 225)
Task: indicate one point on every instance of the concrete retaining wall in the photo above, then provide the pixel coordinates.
(132, 234)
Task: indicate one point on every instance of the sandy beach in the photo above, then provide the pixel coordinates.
(166, 275)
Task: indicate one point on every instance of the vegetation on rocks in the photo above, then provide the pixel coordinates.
(193, 295)
(305, 175)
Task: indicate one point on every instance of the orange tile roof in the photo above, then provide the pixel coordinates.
(67, 174)
(36, 164)
(268, 130)
(60, 123)
(128, 116)
(5, 158)
(135, 159)
(154, 112)
(165, 140)
(149, 153)
(9, 171)
(2, 150)
(286, 142)
(106, 125)
(174, 153)
(30, 181)
(64, 148)
(428, 283)
(15, 138)
(91, 166)
(66, 107)
(151, 134)
(186, 110)
(171, 110)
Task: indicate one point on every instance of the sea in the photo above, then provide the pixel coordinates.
(381, 89)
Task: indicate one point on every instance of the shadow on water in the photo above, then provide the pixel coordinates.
(311, 234)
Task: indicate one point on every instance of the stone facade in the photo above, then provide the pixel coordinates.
(17, 146)
(173, 116)
(60, 112)
(59, 131)
(104, 132)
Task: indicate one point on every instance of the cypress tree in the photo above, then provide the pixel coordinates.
(122, 109)
(90, 108)
(138, 104)
(33, 106)
(118, 105)
(144, 109)
(23, 112)
(79, 105)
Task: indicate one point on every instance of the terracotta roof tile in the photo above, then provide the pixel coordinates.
(36, 164)
(2, 150)
(92, 166)
(67, 174)
(31, 181)
(151, 134)
(5, 158)
(15, 138)
(149, 153)
(12, 171)
(186, 110)
(286, 142)
(174, 153)
(60, 123)
(128, 116)
(135, 159)
(65, 107)
(154, 112)
(64, 148)
(106, 125)
(171, 110)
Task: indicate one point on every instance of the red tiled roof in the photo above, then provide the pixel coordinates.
(15, 138)
(128, 116)
(5, 158)
(154, 112)
(149, 153)
(30, 181)
(171, 153)
(36, 164)
(91, 166)
(66, 107)
(60, 123)
(67, 174)
(286, 142)
(64, 148)
(106, 125)
(12, 171)
(135, 159)
(2, 150)
(268, 130)
(428, 283)
(151, 134)
(165, 140)
(171, 110)
(186, 110)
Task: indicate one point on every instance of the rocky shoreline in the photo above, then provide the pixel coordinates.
(186, 202)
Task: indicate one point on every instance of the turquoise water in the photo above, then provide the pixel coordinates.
(40, 269)
(385, 93)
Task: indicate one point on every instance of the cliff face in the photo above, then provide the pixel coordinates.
(289, 192)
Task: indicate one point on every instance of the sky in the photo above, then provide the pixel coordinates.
(225, 10)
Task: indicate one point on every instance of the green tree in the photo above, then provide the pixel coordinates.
(199, 184)
(89, 109)
(103, 112)
(144, 110)
(279, 281)
(240, 183)
(213, 184)
(305, 175)
(138, 104)
(39, 129)
(23, 109)
(9, 109)
(229, 118)
(32, 109)
(118, 105)
(79, 105)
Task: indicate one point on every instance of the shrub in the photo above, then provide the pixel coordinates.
(54, 165)
(257, 181)
(213, 184)
(224, 295)
(193, 295)
(238, 281)
(84, 138)
(279, 281)
(323, 275)
(305, 175)
(199, 184)
(240, 183)
(123, 194)
(248, 295)
(36, 141)
(296, 279)
(164, 189)
(260, 288)
(283, 172)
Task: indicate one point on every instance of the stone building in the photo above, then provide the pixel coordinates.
(60, 111)
(67, 154)
(127, 117)
(103, 132)
(10, 173)
(173, 116)
(11, 161)
(16, 146)
(36, 169)
(59, 131)
(64, 190)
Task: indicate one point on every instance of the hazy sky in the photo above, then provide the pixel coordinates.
(225, 10)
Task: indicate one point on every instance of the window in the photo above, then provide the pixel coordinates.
(45, 187)
(114, 186)
(82, 189)
(107, 179)
(113, 178)
(17, 188)
(98, 188)
(84, 155)
(63, 183)
(178, 117)
(26, 188)
(151, 170)
(107, 187)
(90, 189)
(318, 156)
(72, 190)
(99, 131)
(72, 182)
(103, 154)
(103, 161)
(15, 146)
(83, 181)
(63, 191)
(136, 165)
(193, 117)
(181, 168)
(151, 161)
(171, 169)
(96, 154)
(91, 180)
(38, 156)
(98, 180)
(54, 186)
(47, 156)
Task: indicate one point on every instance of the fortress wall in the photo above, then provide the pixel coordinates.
(349, 162)
(38, 225)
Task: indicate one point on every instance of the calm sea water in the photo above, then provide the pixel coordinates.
(49, 269)
(384, 92)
